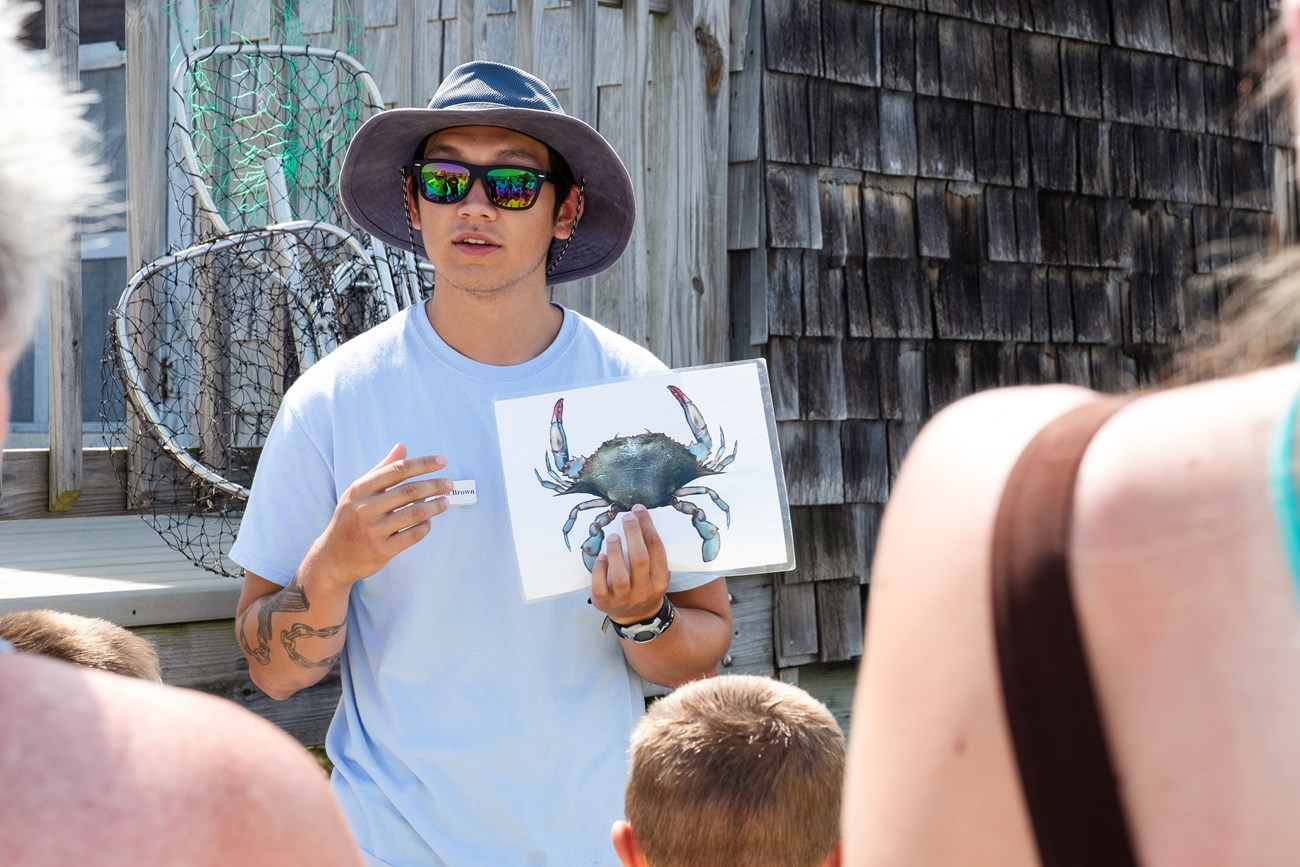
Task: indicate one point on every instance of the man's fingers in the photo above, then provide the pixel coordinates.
(396, 521)
(616, 574)
(396, 453)
(413, 492)
(393, 472)
(649, 534)
(637, 556)
(600, 582)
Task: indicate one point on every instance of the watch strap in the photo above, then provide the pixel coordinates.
(645, 630)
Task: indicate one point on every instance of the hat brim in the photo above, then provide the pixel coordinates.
(373, 192)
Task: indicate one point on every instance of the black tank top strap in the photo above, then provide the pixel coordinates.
(1066, 770)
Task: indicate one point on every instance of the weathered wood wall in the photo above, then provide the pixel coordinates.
(949, 196)
(669, 292)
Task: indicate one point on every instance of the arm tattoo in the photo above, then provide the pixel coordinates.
(292, 598)
(289, 638)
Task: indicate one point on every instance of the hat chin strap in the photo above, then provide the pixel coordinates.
(582, 187)
(406, 212)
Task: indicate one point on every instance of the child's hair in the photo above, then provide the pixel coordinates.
(736, 770)
(87, 641)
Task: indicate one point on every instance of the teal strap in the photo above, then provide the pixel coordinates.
(1281, 480)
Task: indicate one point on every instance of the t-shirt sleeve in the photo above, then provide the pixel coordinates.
(679, 581)
(292, 500)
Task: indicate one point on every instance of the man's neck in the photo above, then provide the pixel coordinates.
(499, 331)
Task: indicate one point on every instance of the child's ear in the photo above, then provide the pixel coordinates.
(835, 858)
(570, 212)
(626, 845)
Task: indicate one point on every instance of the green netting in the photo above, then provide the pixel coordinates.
(208, 338)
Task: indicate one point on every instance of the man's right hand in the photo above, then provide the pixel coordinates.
(380, 515)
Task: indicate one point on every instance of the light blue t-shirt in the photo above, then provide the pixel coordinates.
(474, 728)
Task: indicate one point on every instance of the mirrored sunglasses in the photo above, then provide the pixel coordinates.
(514, 188)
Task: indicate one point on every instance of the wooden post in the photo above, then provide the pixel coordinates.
(406, 53)
(708, 107)
(528, 33)
(687, 155)
(146, 185)
(636, 39)
(62, 40)
(471, 35)
(580, 295)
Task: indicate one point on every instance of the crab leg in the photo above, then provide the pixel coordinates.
(560, 485)
(717, 501)
(703, 442)
(573, 515)
(708, 532)
(591, 547)
(718, 463)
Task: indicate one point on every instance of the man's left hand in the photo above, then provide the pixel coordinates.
(632, 589)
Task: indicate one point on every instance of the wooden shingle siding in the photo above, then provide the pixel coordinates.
(964, 194)
(849, 47)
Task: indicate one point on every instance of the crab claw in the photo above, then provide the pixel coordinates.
(559, 442)
(703, 442)
(591, 548)
(709, 533)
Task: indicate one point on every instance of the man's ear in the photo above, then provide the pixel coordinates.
(412, 202)
(835, 858)
(626, 845)
(568, 214)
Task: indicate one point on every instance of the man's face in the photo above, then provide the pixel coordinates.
(475, 246)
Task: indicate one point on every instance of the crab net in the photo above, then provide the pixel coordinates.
(268, 275)
(238, 106)
(204, 343)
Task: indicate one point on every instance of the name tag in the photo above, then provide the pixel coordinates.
(464, 492)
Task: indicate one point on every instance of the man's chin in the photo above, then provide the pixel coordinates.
(487, 281)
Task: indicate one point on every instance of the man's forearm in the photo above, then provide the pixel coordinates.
(292, 638)
(688, 650)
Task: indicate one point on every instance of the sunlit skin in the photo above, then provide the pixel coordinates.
(492, 303)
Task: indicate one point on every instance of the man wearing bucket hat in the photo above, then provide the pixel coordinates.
(474, 728)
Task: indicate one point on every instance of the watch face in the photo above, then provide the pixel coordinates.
(645, 633)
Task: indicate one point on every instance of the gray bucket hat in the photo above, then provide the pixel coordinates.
(492, 94)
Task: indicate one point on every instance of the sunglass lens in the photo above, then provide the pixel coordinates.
(444, 183)
(513, 189)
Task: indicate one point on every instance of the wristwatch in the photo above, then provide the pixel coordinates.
(645, 630)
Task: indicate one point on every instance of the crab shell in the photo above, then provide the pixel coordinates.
(646, 468)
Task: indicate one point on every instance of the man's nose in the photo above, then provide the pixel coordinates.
(476, 200)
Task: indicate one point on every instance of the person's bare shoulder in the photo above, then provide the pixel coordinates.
(951, 480)
(120, 771)
(928, 739)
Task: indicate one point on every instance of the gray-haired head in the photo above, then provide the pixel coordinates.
(51, 173)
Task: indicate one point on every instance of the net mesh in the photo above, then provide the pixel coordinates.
(270, 276)
(245, 109)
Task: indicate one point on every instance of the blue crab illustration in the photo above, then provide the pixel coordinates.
(651, 468)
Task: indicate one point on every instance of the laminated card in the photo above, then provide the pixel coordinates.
(696, 446)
